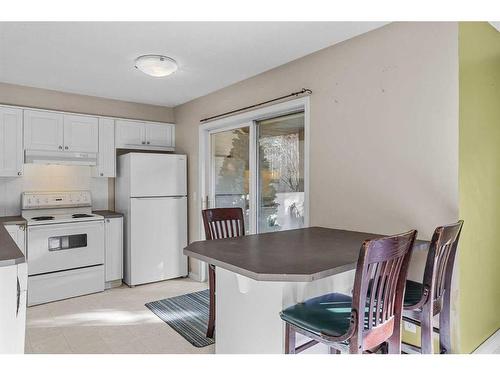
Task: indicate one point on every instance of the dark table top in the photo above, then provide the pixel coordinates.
(294, 255)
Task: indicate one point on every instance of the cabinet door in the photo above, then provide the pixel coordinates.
(159, 135)
(129, 133)
(114, 248)
(12, 309)
(11, 142)
(43, 130)
(106, 160)
(81, 133)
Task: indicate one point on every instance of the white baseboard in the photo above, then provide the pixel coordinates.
(195, 276)
(490, 346)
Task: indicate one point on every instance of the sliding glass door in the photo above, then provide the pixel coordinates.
(230, 170)
(280, 173)
(259, 166)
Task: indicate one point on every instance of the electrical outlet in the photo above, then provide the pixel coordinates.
(410, 327)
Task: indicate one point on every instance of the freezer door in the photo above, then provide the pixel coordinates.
(157, 175)
(158, 234)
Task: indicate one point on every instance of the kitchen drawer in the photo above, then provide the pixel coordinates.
(65, 284)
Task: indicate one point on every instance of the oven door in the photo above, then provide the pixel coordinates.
(58, 247)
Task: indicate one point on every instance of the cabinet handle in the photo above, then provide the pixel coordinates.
(18, 296)
(143, 142)
(107, 220)
(102, 174)
(147, 142)
(66, 147)
(60, 147)
(19, 173)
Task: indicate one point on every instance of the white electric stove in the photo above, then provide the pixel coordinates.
(65, 245)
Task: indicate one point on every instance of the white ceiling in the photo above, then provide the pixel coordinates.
(98, 58)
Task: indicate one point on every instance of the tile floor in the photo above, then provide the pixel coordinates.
(115, 321)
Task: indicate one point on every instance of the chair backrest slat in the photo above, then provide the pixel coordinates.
(379, 283)
(441, 259)
(223, 223)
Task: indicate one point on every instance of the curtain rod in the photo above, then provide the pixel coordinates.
(303, 91)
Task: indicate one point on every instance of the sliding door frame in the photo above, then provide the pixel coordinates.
(249, 119)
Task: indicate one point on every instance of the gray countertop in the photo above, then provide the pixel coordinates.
(107, 213)
(10, 253)
(295, 255)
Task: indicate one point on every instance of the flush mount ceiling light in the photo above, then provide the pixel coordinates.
(156, 65)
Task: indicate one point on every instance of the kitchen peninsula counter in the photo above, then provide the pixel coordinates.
(257, 276)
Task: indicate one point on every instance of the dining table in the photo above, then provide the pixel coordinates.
(258, 275)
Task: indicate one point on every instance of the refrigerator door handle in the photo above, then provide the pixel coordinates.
(160, 198)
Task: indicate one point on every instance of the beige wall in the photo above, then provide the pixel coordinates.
(384, 128)
(62, 101)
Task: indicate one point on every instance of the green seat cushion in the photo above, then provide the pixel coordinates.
(413, 292)
(329, 314)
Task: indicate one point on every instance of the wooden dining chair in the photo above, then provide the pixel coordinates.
(220, 223)
(425, 300)
(370, 318)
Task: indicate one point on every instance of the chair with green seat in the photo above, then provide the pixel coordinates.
(368, 319)
(425, 300)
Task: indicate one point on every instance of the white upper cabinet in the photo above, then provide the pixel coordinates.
(144, 135)
(43, 130)
(11, 142)
(106, 160)
(52, 131)
(129, 133)
(81, 133)
(159, 135)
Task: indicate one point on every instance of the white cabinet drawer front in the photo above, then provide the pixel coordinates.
(129, 133)
(11, 142)
(65, 284)
(43, 130)
(58, 247)
(81, 133)
(159, 135)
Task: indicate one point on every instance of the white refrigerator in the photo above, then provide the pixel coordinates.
(151, 192)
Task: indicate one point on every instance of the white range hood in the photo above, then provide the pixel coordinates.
(61, 158)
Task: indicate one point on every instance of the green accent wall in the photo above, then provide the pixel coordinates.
(479, 183)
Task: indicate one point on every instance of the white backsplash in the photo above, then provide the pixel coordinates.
(51, 178)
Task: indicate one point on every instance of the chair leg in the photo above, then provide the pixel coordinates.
(333, 350)
(211, 312)
(393, 344)
(426, 329)
(290, 336)
(445, 326)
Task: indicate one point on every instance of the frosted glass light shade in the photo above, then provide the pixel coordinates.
(156, 65)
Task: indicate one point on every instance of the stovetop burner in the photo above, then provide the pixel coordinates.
(77, 216)
(42, 218)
